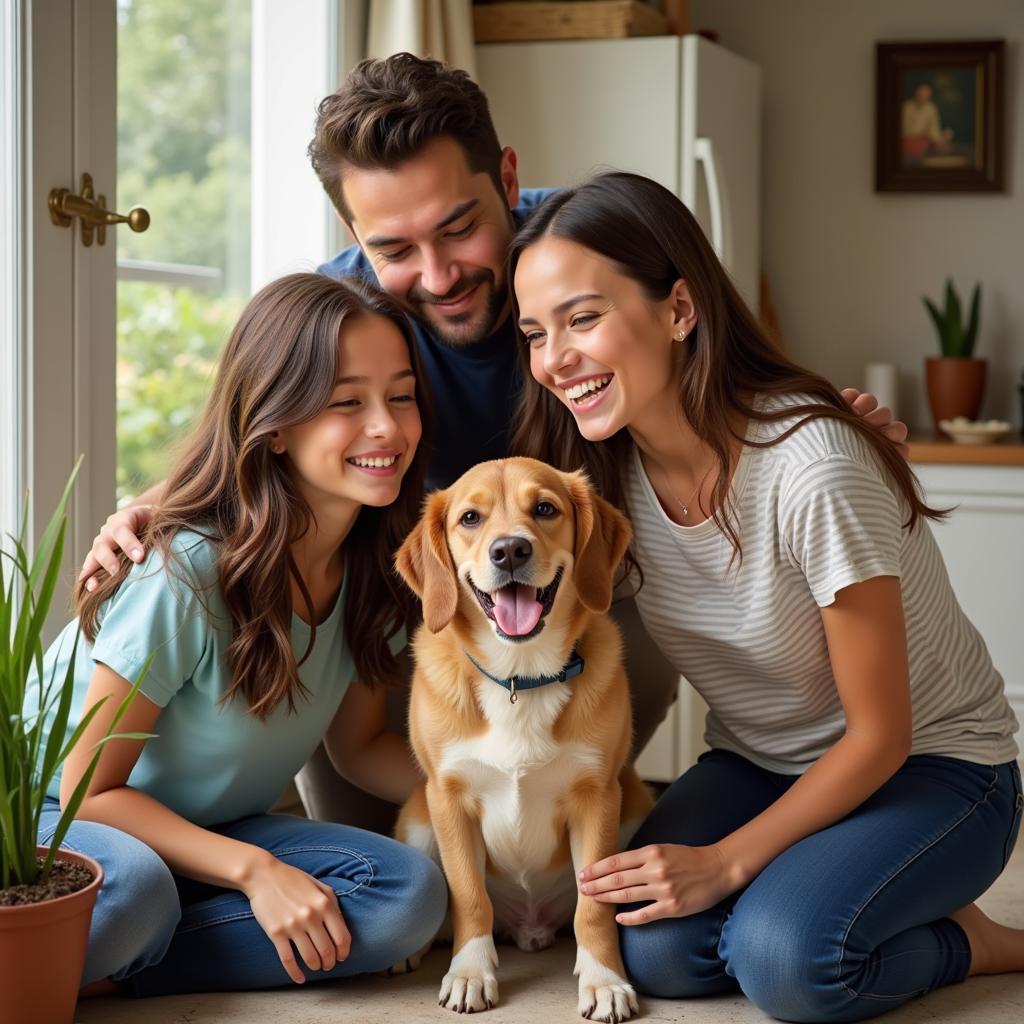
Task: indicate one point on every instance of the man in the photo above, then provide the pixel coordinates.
(408, 154)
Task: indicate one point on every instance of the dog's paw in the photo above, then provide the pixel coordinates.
(471, 984)
(410, 963)
(604, 994)
(610, 1003)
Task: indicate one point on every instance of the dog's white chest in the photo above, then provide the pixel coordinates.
(520, 778)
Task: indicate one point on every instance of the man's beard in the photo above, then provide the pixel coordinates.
(463, 328)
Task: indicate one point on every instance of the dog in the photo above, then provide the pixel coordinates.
(519, 715)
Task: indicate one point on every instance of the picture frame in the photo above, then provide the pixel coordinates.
(939, 116)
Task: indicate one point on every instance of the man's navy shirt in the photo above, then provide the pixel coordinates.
(473, 387)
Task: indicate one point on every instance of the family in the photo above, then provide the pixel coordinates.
(861, 789)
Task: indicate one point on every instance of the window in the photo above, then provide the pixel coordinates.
(216, 101)
(183, 150)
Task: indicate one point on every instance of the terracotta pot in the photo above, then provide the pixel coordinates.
(956, 387)
(42, 952)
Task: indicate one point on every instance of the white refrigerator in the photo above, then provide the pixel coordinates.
(681, 110)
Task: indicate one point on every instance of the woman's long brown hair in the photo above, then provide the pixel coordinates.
(278, 370)
(651, 237)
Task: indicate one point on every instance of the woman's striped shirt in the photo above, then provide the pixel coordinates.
(816, 513)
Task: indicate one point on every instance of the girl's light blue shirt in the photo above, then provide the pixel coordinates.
(210, 762)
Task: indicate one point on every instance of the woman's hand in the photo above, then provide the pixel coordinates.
(680, 880)
(118, 533)
(295, 909)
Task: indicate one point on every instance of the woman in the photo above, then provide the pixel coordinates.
(267, 594)
(862, 789)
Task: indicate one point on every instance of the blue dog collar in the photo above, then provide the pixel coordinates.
(572, 668)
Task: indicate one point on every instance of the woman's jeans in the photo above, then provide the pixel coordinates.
(851, 921)
(158, 933)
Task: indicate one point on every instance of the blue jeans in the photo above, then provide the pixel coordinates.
(851, 921)
(159, 933)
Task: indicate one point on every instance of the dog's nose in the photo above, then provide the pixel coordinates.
(509, 553)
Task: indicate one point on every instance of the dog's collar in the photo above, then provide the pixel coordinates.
(572, 668)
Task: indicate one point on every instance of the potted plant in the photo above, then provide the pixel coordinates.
(955, 380)
(46, 894)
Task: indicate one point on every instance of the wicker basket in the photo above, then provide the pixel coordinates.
(574, 19)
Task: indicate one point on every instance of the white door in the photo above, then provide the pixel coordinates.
(64, 384)
(199, 112)
(12, 270)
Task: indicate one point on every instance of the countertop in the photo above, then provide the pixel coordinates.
(940, 449)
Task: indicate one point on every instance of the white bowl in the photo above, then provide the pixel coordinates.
(965, 431)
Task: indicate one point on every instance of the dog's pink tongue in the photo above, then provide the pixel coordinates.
(517, 609)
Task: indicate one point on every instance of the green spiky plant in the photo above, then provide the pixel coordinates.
(27, 767)
(956, 340)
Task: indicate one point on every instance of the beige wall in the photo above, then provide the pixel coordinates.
(847, 266)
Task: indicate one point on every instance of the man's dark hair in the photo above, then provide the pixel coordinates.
(388, 110)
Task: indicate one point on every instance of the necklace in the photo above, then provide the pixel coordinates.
(685, 505)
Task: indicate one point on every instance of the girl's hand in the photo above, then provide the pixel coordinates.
(680, 880)
(295, 909)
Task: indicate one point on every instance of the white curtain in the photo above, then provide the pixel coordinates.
(442, 29)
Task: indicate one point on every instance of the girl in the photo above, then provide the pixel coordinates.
(268, 593)
(861, 789)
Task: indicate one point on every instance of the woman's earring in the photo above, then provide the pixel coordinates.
(680, 335)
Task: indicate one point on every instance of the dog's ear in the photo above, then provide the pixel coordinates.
(602, 536)
(425, 563)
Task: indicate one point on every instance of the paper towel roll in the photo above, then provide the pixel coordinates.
(882, 381)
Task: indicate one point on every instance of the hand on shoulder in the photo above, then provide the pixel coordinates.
(119, 533)
(866, 406)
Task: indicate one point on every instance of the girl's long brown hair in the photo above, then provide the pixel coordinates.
(651, 237)
(278, 370)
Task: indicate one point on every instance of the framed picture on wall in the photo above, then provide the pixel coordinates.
(939, 117)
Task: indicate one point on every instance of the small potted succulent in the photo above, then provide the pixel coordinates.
(46, 894)
(955, 380)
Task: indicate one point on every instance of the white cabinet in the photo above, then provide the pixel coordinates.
(678, 741)
(982, 543)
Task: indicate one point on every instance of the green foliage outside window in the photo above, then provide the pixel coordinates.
(183, 153)
(167, 348)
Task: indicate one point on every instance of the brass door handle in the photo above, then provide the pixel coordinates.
(92, 212)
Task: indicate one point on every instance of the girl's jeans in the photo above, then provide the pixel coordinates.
(159, 933)
(851, 921)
